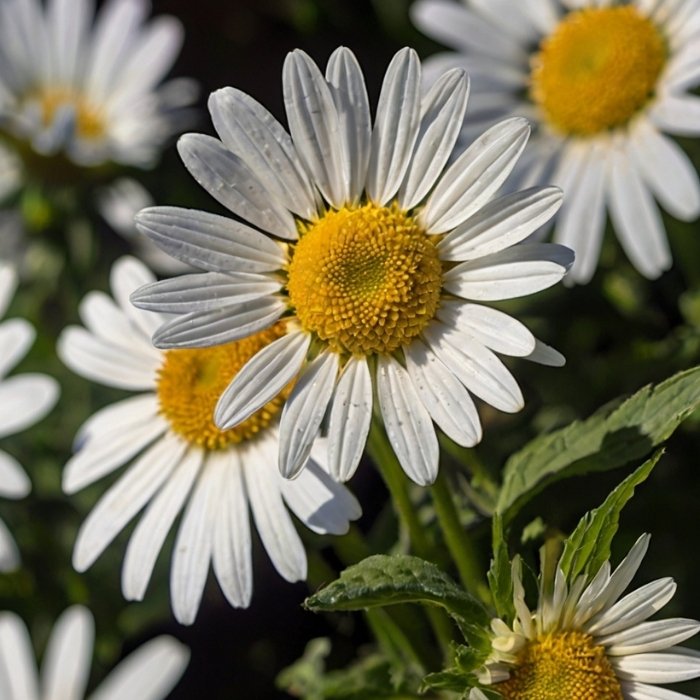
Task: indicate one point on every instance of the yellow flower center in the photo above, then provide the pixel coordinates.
(564, 665)
(190, 383)
(89, 120)
(365, 280)
(598, 69)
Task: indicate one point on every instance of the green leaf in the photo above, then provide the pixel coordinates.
(387, 580)
(499, 576)
(460, 677)
(588, 546)
(612, 437)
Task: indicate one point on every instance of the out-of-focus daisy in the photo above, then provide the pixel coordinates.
(24, 399)
(601, 81)
(584, 641)
(149, 673)
(181, 460)
(372, 251)
(90, 93)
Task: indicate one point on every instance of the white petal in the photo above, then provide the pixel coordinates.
(476, 367)
(275, 527)
(323, 505)
(251, 132)
(205, 292)
(656, 668)
(126, 498)
(16, 337)
(636, 218)
(502, 223)
(208, 241)
(407, 422)
(8, 283)
(446, 399)
(475, 176)
(395, 126)
(303, 412)
(442, 114)
(9, 554)
(14, 482)
(261, 379)
(232, 557)
(17, 654)
(515, 272)
(68, 657)
(153, 527)
(25, 399)
(543, 354)
(649, 636)
(349, 93)
(641, 691)
(315, 126)
(232, 183)
(195, 539)
(677, 114)
(667, 170)
(203, 329)
(581, 221)
(492, 328)
(350, 417)
(149, 673)
(103, 362)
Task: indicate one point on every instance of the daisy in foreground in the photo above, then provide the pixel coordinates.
(180, 459)
(149, 673)
(370, 249)
(602, 81)
(584, 641)
(24, 399)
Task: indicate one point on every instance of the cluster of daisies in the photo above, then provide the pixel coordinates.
(351, 281)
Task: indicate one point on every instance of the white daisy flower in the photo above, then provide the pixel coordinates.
(584, 641)
(149, 673)
(180, 460)
(91, 93)
(375, 252)
(24, 399)
(602, 81)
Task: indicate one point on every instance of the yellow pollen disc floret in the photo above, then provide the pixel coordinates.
(89, 120)
(597, 70)
(365, 280)
(564, 665)
(190, 383)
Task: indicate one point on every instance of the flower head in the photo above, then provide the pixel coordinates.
(149, 673)
(89, 93)
(24, 399)
(601, 82)
(179, 459)
(586, 640)
(376, 256)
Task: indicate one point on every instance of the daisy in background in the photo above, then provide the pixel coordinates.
(178, 459)
(80, 91)
(149, 673)
(24, 399)
(585, 641)
(376, 256)
(602, 81)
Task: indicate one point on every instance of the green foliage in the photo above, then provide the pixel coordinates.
(588, 546)
(612, 437)
(460, 677)
(383, 580)
(499, 575)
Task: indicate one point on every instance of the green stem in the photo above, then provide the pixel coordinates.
(457, 539)
(396, 482)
